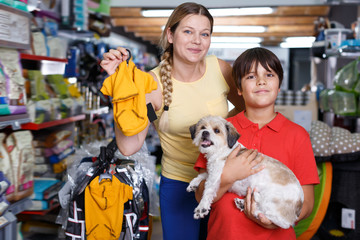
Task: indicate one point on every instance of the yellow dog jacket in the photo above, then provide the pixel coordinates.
(128, 86)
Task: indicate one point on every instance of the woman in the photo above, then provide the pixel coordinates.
(190, 85)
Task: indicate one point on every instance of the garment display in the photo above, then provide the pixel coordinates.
(105, 198)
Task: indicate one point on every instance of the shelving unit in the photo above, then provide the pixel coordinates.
(34, 126)
(92, 112)
(331, 63)
(8, 228)
(14, 121)
(41, 58)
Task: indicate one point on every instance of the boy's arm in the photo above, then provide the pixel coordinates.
(308, 201)
(306, 210)
(237, 167)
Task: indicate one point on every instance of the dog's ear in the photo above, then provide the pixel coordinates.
(192, 131)
(232, 134)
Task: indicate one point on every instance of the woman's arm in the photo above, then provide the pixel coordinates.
(233, 95)
(129, 145)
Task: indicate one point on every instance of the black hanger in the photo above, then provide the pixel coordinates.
(127, 60)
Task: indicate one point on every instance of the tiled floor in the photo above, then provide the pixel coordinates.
(156, 229)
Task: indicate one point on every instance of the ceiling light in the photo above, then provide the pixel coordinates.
(300, 39)
(215, 12)
(234, 45)
(298, 42)
(223, 12)
(236, 39)
(157, 13)
(240, 29)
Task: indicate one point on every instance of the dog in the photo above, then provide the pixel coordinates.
(278, 194)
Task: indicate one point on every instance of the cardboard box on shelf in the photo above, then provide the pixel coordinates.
(301, 114)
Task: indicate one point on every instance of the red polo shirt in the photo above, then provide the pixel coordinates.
(281, 139)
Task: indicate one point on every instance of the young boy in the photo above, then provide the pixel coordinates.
(258, 75)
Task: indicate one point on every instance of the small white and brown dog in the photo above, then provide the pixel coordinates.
(278, 194)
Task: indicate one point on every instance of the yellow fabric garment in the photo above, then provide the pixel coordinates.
(190, 102)
(128, 86)
(104, 208)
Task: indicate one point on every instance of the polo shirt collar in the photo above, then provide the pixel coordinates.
(275, 124)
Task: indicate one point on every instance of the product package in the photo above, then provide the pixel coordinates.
(15, 83)
(4, 100)
(5, 166)
(19, 146)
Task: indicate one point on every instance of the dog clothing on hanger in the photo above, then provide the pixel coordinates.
(104, 207)
(128, 86)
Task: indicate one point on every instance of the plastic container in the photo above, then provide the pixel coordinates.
(334, 37)
(342, 103)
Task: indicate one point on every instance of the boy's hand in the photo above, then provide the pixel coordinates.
(249, 210)
(113, 58)
(239, 166)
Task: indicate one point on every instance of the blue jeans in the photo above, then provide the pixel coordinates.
(177, 211)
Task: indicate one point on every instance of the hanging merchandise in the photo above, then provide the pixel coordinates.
(128, 86)
(123, 181)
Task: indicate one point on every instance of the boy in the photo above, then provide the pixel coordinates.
(258, 75)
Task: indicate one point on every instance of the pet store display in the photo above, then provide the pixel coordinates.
(131, 175)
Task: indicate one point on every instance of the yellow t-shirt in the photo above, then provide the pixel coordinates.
(190, 102)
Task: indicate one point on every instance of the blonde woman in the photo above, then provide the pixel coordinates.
(191, 85)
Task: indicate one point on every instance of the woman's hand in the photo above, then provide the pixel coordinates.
(249, 210)
(240, 165)
(113, 58)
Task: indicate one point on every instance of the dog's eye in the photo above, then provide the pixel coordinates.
(216, 130)
(203, 127)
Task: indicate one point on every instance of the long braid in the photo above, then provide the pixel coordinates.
(165, 76)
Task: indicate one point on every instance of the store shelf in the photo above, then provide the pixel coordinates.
(40, 58)
(14, 121)
(102, 110)
(8, 228)
(34, 126)
(41, 212)
(92, 112)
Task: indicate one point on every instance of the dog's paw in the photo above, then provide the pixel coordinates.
(201, 212)
(191, 188)
(240, 203)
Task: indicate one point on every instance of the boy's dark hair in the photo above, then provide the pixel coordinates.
(247, 59)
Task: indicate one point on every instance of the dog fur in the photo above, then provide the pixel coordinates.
(278, 194)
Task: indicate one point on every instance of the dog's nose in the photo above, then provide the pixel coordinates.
(205, 134)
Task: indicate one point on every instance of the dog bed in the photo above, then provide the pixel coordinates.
(307, 228)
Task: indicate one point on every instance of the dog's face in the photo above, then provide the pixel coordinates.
(212, 133)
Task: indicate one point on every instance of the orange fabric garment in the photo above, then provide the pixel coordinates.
(104, 208)
(128, 86)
